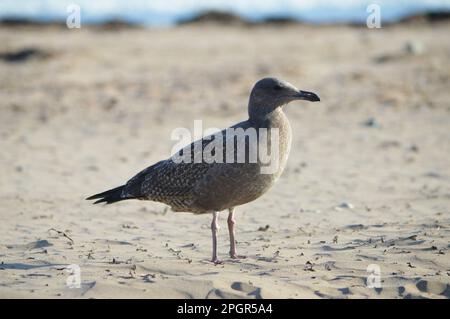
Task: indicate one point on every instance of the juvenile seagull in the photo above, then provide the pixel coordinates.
(207, 186)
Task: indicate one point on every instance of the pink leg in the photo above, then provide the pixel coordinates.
(231, 222)
(214, 229)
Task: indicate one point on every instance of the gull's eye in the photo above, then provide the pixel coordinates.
(277, 87)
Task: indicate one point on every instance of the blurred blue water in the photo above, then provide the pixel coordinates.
(167, 12)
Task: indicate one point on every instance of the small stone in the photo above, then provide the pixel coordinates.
(309, 266)
(414, 148)
(346, 205)
(371, 122)
(414, 48)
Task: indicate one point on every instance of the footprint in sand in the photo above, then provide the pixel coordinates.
(33, 245)
(250, 290)
(240, 287)
(434, 287)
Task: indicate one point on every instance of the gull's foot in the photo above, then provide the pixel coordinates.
(216, 261)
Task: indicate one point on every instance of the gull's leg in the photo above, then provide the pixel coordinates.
(231, 222)
(214, 229)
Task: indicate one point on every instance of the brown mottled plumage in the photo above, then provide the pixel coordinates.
(207, 186)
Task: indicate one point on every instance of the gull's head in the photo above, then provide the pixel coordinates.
(273, 92)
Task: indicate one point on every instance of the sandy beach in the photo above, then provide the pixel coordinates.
(367, 181)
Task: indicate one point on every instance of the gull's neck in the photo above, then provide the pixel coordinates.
(266, 116)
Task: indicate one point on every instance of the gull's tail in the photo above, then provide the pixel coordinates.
(110, 196)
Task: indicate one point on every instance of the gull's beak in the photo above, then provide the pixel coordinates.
(308, 96)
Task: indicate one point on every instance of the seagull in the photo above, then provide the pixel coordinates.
(187, 184)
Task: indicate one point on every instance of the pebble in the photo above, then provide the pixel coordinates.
(414, 48)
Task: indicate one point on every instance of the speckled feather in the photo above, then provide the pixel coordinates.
(202, 187)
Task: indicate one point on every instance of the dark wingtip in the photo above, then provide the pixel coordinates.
(91, 197)
(108, 197)
(100, 201)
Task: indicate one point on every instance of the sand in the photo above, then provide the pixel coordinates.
(367, 182)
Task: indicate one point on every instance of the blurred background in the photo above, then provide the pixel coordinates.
(84, 109)
(170, 12)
